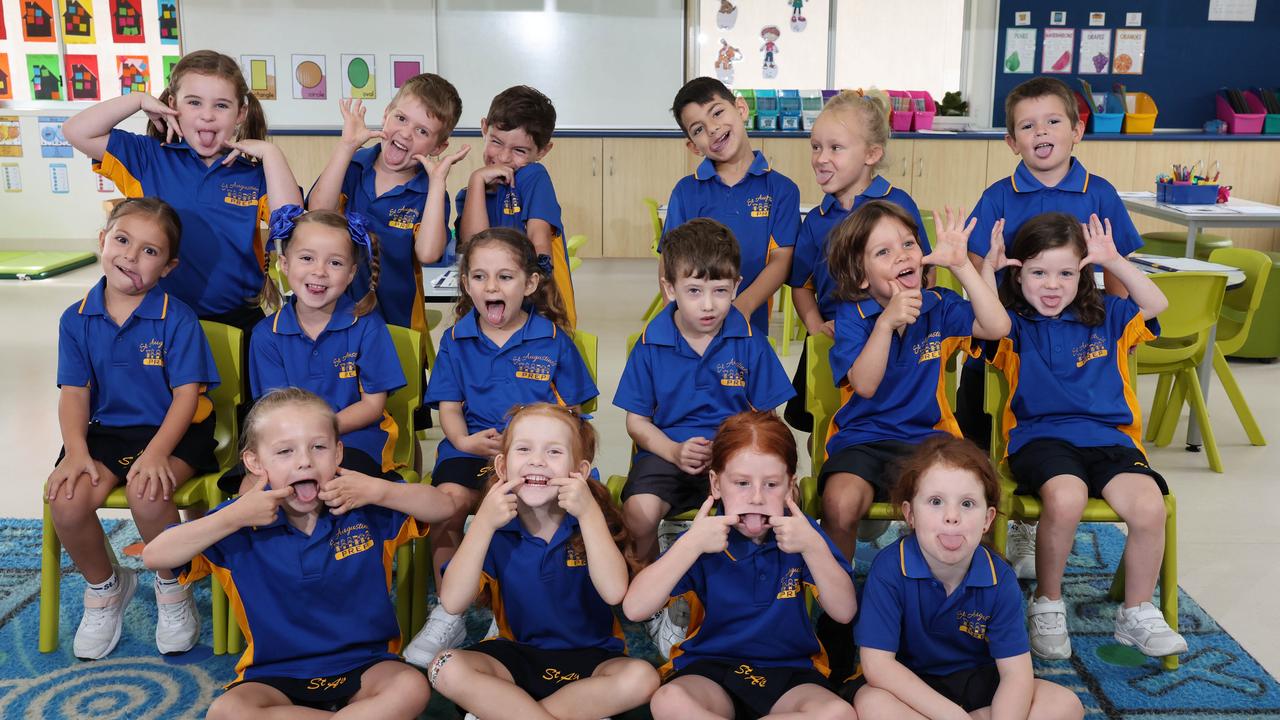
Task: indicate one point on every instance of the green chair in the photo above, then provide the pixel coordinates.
(1174, 243)
(1263, 342)
(198, 492)
(588, 347)
(1027, 508)
(1239, 310)
(659, 301)
(1195, 301)
(572, 247)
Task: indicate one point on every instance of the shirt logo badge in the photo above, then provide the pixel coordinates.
(534, 367)
(790, 585)
(732, 373)
(351, 540)
(748, 674)
(575, 558)
(403, 218)
(240, 195)
(973, 623)
(346, 365)
(1095, 347)
(760, 205)
(152, 353)
(929, 349)
(556, 676)
(511, 203)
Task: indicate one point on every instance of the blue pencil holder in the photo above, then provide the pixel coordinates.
(1186, 194)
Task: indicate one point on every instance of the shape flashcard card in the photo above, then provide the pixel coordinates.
(359, 77)
(59, 182)
(1020, 51)
(10, 136)
(309, 77)
(404, 67)
(260, 71)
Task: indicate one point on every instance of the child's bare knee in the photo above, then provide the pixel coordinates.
(226, 707)
(670, 701)
(444, 670)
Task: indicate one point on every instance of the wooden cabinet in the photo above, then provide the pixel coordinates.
(576, 167)
(896, 167)
(792, 157)
(634, 169)
(948, 172)
(307, 156)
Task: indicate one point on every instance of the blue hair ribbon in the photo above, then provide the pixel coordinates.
(285, 218)
(544, 264)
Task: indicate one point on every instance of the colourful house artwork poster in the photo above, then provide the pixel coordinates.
(134, 72)
(6, 78)
(126, 21)
(77, 22)
(309, 77)
(83, 80)
(260, 71)
(169, 61)
(359, 77)
(37, 20)
(45, 78)
(169, 22)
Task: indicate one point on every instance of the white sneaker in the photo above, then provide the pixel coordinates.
(177, 622)
(1022, 550)
(99, 630)
(1047, 629)
(664, 632)
(442, 631)
(1144, 628)
(493, 631)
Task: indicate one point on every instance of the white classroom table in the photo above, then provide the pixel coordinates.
(440, 284)
(1238, 213)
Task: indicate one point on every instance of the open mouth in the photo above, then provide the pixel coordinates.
(951, 542)
(305, 490)
(495, 311)
(206, 138)
(908, 278)
(824, 176)
(718, 144)
(1043, 150)
(537, 480)
(396, 152)
(316, 289)
(755, 524)
(134, 277)
(1050, 300)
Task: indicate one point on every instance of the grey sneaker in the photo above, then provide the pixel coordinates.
(1144, 628)
(1047, 629)
(99, 630)
(441, 632)
(177, 623)
(664, 632)
(1022, 550)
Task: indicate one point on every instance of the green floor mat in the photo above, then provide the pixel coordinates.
(38, 265)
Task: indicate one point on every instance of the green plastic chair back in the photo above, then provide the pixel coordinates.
(657, 224)
(575, 244)
(1239, 306)
(402, 403)
(1195, 300)
(589, 348)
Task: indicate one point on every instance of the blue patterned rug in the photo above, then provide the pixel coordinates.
(1217, 679)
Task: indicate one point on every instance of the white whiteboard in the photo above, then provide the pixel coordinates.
(606, 64)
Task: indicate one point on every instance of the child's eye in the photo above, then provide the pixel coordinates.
(338, 263)
(319, 446)
(968, 504)
(882, 252)
(224, 106)
(909, 244)
(422, 131)
(935, 501)
(1037, 273)
(506, 276)
(150, 251)
(555, 451)
(284, 451)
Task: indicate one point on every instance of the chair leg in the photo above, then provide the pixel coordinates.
(1202, 416)
(1000, 532)
(404, 588)
(1172, 411)
(422, 574)
(235, 641)
(50, 585)
(788, 320)
(1169, 574)
(221, 615)
(1159, 405)
(1232, 388)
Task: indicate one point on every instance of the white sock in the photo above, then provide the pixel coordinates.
(106, 587)
(170, 585)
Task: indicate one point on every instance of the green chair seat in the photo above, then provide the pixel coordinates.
(38, 265)
(1174, 243)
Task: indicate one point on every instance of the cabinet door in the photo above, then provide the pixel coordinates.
(635, 169)
(1250, 169)
(307, 156)
(897, 165)
(575, 167)
(791, 157)
(1114, 161)
(948, 172)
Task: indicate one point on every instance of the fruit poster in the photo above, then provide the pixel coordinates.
(1095, 52)
(1131, 46)
(1020, 51)
(1059, 49)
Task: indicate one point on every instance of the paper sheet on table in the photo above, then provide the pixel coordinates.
(1256, 209)
(1177, 264)
(1137, 194)
(1202, 209)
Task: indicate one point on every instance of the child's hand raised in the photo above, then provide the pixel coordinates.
(258, 506)
(256, 149)
(150, 475)
(494, 174)
(349, 490)
(709, 533)
(693, 456)
(793, 532)
(951, 247)
(903, 307)
(354, 132)
(1101, 245)
(499, 505)
(995, 256)
(575, 497)
(162, 116)
(438, 167)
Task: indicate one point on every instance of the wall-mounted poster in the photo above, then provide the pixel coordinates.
(1020, 51)
(77, 22)
(260, 71)
(309, 77)
(37, 20)
(126, 21)
(1095, 52)
(1058, 51)
(83, 80)
(1131, 47)
(359, 77)
(44, 73)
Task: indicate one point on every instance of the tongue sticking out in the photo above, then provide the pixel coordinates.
(754, 523)
(493, 312)
(1043, 151)
(135, 278)
(306, 491)
(951, 542)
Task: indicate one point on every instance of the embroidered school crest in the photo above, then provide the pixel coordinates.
(346, 365)
(534, 367)
(403, 218)
(790, 585)
(1095, 347)
(240, 195)
(351, 540)
(575, 558)
(973, 623)
(511, 203)
(928, 349)
(152, 353)
(732, 373)
(760, 205)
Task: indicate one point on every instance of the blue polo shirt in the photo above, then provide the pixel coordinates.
(221, 210)
(809, 267)
(688, 395)
(747, 604)
(910, 404)
(311, 606)
(531, 197)
(1020, 197)
(541, 592)
(762, 210)
(539, 363)
(394, 216)
(131, 371)
(1070, 381)
(352, 355)
(905, 610)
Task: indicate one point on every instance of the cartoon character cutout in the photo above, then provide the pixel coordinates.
(725, 59)
(798, 21)
(727, 16)
(770, 34)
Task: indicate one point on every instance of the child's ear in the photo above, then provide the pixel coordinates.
(714, 483)
(874, 155)
(252, 463)
(500, 467)
(102, 240)
(668, 290)
(531, 283)
(740, 104)
(737, 287)
(484, 126)
(338, 453)
(584, 469)
(991, 515)
(1077, 132)
(542, 152)
(168, 267)
(692, 148)
(907, 515)
(1013, 144)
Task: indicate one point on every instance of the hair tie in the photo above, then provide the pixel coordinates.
(283, 220)
(544, 264)
(357, 225)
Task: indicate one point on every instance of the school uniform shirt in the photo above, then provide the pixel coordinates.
(687, 395)
(1070, 381)
(905, 610)
(910, 403)
(762, 210)
(541, 592)
(131, 371)
(352, 354)
(394, 216)
(221, 208)
(747, 604)
(809, 268)
(532, 197)
(539, 363)
(311, 606)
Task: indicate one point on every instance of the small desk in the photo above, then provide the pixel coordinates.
(1237, 213)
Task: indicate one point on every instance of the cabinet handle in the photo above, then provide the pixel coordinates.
(920, 167)
(905, 171)
(593, 166)
(610, 166)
